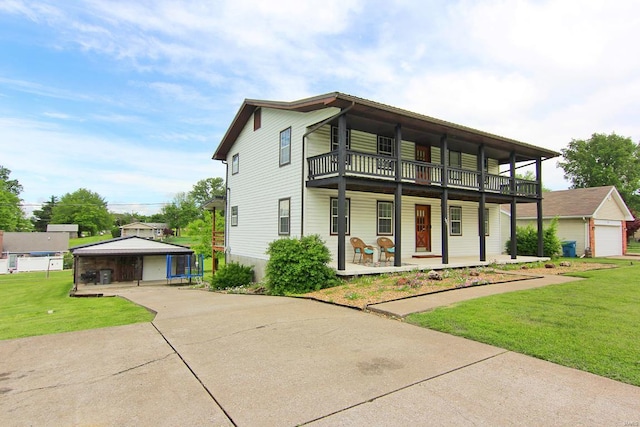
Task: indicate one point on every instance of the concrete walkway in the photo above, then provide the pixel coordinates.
(213, 359)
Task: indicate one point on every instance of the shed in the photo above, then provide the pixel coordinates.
(593, 217)
(130, 259)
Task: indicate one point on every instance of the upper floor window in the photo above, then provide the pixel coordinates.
(385, 218)
(257, 119)
(386, 146)
(235, 164)
(455, 159)
(334, 138)
(455, 220)
(486, 222)
(285, 147)
(334, 215)
(284, 216)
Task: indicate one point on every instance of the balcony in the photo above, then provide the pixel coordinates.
(429, 174)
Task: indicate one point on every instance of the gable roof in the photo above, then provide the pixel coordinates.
(364, 111)
(71, 228)
(26, 242)
(144, 225)
(131, 245)
(574, 203)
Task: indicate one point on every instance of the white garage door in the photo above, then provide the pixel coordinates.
(608, 239)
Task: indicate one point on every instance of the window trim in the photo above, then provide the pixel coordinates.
(280, 218)
(334, 138)
(280, 147)
(378, 217)
(392, 144)
(331, 216)
(234, 216)
(235, 164)
(451, 221)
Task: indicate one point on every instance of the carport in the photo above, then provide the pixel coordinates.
(128, 259)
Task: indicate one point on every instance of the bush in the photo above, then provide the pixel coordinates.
(67, 261)
(116, 232)
(232, 275)
(298, 266)
(527, 241)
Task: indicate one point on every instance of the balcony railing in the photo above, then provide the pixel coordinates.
(384, 167)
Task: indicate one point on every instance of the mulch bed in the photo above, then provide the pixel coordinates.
(364, 291)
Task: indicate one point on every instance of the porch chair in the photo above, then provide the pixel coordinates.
(387, 247)
(360, 248)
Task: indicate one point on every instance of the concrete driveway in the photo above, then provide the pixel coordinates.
(213, 359)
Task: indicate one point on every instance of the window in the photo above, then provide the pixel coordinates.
(235, 164)
(455, 220)
(334, 143)
(386, 147)
(334, 138)
(334, 215)
(257, 119)
(283, 216)
(455, 161)
(486, 222)
(385, 218)
(234, 216)
(285, 147)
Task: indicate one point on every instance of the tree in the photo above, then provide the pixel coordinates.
(42, 217)
(12, 217)
(180, 212)
(206, 189)
(530, 176)
(10, 185)
(85, 208)
(604, 160)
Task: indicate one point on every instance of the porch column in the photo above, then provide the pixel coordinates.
(512, 181)
(481, 206)
(342, 190)
(444, 199)
(397, 229)
(539, 206)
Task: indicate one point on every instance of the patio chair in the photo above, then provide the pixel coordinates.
(360, 248)
(387, 247)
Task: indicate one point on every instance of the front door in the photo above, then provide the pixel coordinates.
(423, 154)
(423, 228)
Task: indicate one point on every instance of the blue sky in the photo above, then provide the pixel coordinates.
(130, 98)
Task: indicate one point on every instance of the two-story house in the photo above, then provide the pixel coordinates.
(342, 166)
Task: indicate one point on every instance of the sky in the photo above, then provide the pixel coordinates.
(130, 99)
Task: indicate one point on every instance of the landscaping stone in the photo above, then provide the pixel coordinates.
(565, 264)
(434, 275)
(549, 265)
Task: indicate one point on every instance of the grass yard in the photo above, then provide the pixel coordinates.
(32, 304)
(91, 239)
(591, 324)
(633, 247)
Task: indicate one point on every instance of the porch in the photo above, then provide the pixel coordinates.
(426, 264)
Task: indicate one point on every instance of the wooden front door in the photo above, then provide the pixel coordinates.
(423, 154)
(423, 228)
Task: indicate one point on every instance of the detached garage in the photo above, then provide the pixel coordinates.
(595, 218)
(128, 259)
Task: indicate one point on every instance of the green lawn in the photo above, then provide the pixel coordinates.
(91, 239)
(32, 304)
(633, 247)
(591, 324)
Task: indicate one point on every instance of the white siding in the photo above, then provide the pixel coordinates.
(568, 229)
(154, 267)
(363, 223)
(261, 181)
(609, 210)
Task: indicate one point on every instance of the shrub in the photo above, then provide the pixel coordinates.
(67, 261)
(232, 275)
(116, 232)
(527, 240)
(298, 266)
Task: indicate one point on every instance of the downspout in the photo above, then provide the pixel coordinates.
(303, 163)
(227, 215)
